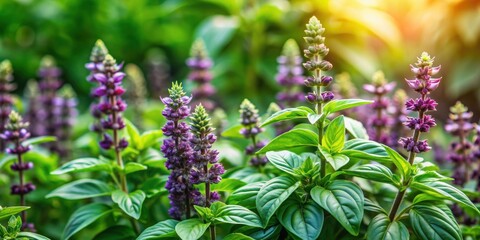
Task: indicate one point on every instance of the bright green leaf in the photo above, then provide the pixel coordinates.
(288, 114)
(355, 128)
(338, 161)
(133, 135)
(9, 211)
(81, 189)
(344, 201)
(313, 118)
(361, 149)
(291, 139)
(130, 203)
(285, 161)
(342, 104)
(431, 222)
(39, 140)
(374, 172)
(191, 229)
(273, 194)
(132, 167)
(237, 236)
(163, 229)
(31, 236)
(334, 137)
(150, 138)
(228, 185)
(233, 132)
(246, 195)
(83, 165)
(400, 162)
(236, 214)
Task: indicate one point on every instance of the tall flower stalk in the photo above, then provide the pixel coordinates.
(200, 64)
(97, 56)
(111, 105)
(66, 110)
(250, 120)
(290, 75)
(137, 94)
(380, 121)
(6, 87)
(206, 168)
(315, 52)
(177, 149)
(424, 84)
(16, 132)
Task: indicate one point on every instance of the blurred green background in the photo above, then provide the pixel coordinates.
(244, 37)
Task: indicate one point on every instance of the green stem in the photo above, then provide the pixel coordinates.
(212, 232)
(20, 174)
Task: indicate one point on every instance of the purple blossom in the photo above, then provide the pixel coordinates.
(250, 120)
(179, 153)
(290, 75)
(6, 87)
(200, 65)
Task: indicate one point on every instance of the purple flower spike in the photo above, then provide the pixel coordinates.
(250, 120)
(6, 87)
(200, 65)
(290, 75)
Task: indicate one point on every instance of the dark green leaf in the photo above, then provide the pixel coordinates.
(81, 189)
(237, 236)
(374, 172)
(355, 128)
(342, 104)
(334, 138)
(235, 214)
(431, 222)
(191, 229)
(117, 232)
(83, 165)
(272, 195)
(400, 162)
(381, 228)
(304, 220)
(9, 211)
(373, 207)
(361, 149)
(160, 230)
(130, 203)
(31, 236)
(443, 190)
(285, 161)
(83, 217)
(246, 195)
(291, 139)
(39, 140)
(343, 200)
(288, 114)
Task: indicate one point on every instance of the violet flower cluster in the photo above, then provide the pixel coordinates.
(424, 84)
(290, 75)
(200, 64)
(158, 73)
(315, 53)
(398, 111)
(111, 104)
(206, 168)
(66, 111)
(6, 87)
(380, 121)
(177, 149)
(250, 120)
(97, 56)
(15, 133)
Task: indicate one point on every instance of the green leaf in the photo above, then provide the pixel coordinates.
(338, 161)
(116, 232)
(6, 158)
(291, 139)
(374, 172)
(131, 203)
(83, 217)
(191, 229)
(361, 149)
(9, 211)
(443, 190)
(150, 138)
(246, 195)
(431, 222)
(355, 128)
(81, 189)
(381, 228)
(133, 135)
(39, 140)
(83, 165)
(342, 104)
(31, 236)
(344, 201)
(285, 161)
(163, 229)
(132, 167)
(288, 114)
(304, 220)
(204, 213)
(233, 132)
(373, 207)
(228, 185)
(272, 195)
(400, 162)
(237, 236)
(313, 117)
(235, 214)
(430, 176)
(217, 31)
(334, 138)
